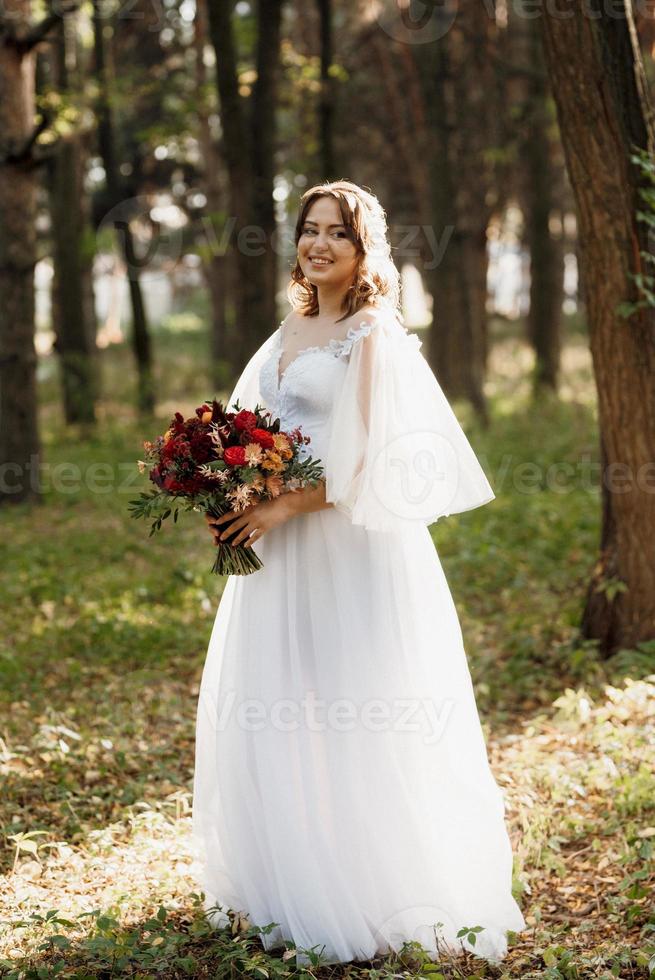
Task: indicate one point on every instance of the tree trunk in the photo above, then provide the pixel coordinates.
(114, 195)
(603, 110)
(19, 438)
(215, 263)
(546, 250)
(263, 144)
(74, 334)
(456, 343)
(249, 158)
(326, 104)
(462, 98)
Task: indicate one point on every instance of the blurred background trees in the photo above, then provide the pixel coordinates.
(152, 156)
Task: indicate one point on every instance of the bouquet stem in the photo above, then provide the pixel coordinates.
(230, 560)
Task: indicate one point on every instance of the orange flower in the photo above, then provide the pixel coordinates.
(258, 482)
(206, 417)
(282, 445)
(272, 461)
(274, 485)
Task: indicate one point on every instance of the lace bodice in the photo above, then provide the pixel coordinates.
(305, 393)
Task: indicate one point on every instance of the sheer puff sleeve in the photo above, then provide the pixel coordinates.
(396, 451)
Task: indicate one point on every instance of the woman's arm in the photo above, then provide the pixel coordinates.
(251, 523)
(305, 500)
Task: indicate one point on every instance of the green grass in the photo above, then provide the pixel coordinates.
(103, 638)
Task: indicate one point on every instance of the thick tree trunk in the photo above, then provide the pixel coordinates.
(456, 342)
(19, 439)
(74, 335)
(238, 160)
(603, 111)
(464, 113)
(249, 158)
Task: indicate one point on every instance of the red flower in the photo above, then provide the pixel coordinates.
(261, 436)
(177, 424)
(245, 420)
(235, 456)
(201, 411)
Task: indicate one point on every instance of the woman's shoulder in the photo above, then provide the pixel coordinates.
(368, 321)
(366, 314)
(377, 322)
(360, 325)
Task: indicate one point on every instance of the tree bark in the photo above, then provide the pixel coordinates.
(457, 280)
(19, 437)
(70, 237)
(214, 261)
(603, 110)
(249, 158)
(263, 143)
(463, 87)
(540, 184)
(141, 344)
(326, 101)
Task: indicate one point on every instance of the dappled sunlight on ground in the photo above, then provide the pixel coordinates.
(580, 791)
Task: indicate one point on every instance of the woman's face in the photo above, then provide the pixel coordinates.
(326, 254)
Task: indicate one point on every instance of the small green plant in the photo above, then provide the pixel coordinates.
(645, 281)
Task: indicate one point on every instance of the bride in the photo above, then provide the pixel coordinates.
(342, 790)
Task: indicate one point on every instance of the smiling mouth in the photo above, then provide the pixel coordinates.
(317, 261)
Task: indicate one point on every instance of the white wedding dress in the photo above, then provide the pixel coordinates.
(342, 788)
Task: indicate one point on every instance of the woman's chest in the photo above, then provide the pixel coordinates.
(307, 387)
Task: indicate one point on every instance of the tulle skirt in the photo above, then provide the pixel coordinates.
(342, 788)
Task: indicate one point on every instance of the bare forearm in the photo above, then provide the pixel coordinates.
(306, 500)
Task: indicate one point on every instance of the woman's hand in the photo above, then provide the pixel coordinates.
(248, 525)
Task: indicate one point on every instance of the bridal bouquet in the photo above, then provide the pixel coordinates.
(220, 461)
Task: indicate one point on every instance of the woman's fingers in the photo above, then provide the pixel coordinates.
(245, 533)
(229, 530)
(237, 530)
(213, 519)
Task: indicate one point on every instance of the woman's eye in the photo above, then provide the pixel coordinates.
(311, 231)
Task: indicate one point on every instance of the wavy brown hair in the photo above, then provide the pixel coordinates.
(376, 280)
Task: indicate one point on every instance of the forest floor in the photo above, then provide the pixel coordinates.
(102, 644)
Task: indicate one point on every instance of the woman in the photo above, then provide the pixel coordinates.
(342, 789)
